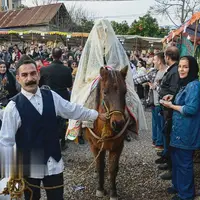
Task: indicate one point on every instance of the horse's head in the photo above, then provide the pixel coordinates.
(113, 90)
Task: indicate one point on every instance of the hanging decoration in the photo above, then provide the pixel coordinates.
(66, 34)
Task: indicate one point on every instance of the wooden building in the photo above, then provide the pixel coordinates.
(52, 17)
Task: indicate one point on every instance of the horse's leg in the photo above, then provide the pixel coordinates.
(100, 165)
(113, 170)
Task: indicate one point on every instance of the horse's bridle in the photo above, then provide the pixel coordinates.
(110, 113)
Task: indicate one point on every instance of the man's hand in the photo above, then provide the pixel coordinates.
(168, 97)
(150, 85)
(102, 116)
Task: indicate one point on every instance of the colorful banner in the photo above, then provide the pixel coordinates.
(66, 34)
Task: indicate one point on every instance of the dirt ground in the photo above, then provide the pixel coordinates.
(138, 177)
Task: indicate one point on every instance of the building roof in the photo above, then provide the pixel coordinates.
(29, 16)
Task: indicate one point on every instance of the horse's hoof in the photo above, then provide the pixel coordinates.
(113, 198)
(101, 193)
(95, 175)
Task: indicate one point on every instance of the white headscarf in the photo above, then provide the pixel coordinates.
(102, 42)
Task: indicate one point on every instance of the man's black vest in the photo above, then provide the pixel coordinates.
(37, 134)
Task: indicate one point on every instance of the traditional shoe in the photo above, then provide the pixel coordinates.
(81, 140)
(160, 153)
(161, 160)
(64, 146)
(176, 197)
(171, 190)
(128, 138)
(166, 176)
(159, 148)
(163, 166)
(153, 144)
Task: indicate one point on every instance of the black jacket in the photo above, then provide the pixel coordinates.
(9, 90)
(57, 77)
(169, 83)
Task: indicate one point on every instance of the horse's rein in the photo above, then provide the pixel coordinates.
(108, 116)
(110, 113)
(111, 138)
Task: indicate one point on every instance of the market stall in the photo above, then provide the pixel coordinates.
(50, 38)
(137, 42)
(187, 36)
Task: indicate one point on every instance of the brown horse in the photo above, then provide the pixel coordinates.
(109, 135)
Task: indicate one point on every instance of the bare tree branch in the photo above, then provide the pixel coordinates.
(77, 13)
(183, 9)
(43, 2)
(171, 18)
(35, 2)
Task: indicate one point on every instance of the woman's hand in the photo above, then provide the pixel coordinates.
(167, 104)
(150, 85)
(168, 97)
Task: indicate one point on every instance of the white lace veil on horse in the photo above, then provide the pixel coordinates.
(102, 42)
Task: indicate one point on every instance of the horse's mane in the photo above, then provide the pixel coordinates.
(98, 94)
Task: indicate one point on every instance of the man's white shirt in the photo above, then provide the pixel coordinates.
(12, 122)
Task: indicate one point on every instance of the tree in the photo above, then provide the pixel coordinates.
(43, 2)
(145, 26)
(120, 28)
(22, 6)
(183, 9)
(86, 25)
(81, 18)
(163, 32)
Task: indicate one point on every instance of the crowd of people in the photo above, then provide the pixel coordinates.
(174, 98)
(35, 120)
(9, 57)
(167, 83)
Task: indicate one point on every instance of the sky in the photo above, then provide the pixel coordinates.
(115, 10)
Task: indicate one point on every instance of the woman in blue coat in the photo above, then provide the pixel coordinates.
(185, 135)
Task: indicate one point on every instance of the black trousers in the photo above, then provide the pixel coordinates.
(48, 181)
(62, 127)
(140, 91)
(167, 113)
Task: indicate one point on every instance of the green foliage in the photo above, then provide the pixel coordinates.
(22, 6)
(146, 26)
(120, 28)
(86, 25)
(163, 32)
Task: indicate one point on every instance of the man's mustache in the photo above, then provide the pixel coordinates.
(31, 83)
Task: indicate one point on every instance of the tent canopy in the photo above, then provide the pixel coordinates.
(131, 42)
(188, 28)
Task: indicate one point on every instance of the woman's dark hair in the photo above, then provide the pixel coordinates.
(161, 56)
(142, 62)
(74, 61)
(69, 63)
